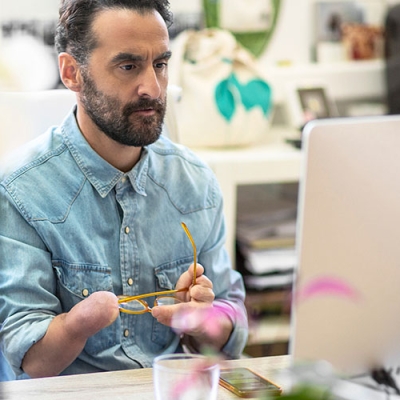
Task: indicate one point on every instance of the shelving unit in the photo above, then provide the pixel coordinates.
(271, 161)
(275, 161)
(345, 80)
(269, 331)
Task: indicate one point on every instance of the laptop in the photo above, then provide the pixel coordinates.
(346, 296)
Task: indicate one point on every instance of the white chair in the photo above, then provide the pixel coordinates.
(25, 115)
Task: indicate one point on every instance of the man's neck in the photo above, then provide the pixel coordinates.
(120, 156)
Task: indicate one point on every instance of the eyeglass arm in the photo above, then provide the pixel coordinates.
(141, 296)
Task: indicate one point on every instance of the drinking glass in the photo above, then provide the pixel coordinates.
(185, 377)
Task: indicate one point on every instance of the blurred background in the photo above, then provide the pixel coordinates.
(342, 55)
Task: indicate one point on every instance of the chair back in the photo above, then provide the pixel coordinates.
(26, 115)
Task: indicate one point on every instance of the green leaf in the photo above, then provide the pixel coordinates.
(225, 99)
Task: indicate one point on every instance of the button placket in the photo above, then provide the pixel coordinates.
(125, 195)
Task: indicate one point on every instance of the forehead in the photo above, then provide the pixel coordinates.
(127, 30)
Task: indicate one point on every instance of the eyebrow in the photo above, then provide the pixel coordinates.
(134, 57)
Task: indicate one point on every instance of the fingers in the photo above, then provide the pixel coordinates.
(182, 317)
(199, 270)
(202, 292)
(164, 314)
(186, 279)
(198, 297)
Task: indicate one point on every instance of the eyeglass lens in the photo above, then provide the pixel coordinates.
(141, 305)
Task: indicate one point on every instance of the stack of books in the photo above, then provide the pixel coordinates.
(266, 235)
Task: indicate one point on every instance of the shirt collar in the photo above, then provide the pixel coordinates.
(102, 175)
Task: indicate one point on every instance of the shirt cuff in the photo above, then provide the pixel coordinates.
(234, 347)
(18, 340)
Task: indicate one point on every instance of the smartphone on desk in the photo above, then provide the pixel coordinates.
(246, 383)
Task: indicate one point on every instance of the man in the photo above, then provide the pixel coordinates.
(93, 210)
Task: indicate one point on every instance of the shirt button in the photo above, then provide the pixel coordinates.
(126, 332)
(130, 281)
(85, 292)
(127, 230)
(123, 179)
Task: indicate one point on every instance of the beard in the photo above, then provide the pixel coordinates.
(118, 121)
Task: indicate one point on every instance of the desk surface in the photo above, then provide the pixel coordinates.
(117, 385)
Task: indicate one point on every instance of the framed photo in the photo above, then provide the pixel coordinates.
(330, 15)
(314, 103)
(308, 102)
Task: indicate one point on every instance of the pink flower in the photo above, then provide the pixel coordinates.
(323, 286)
(205, 319)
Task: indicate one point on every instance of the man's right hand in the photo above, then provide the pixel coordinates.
(67, 334)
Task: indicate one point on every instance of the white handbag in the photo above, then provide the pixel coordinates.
(225, 100)
(245, 15)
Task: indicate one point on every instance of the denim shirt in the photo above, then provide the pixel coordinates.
(72, 224)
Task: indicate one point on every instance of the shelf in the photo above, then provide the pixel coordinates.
(270, 161)
(345, 80)
(269, 330)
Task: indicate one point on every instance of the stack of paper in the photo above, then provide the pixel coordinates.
(266, 230)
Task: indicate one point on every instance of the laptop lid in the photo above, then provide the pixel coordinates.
(346, 296)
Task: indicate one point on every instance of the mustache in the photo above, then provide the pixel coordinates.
(156, 104)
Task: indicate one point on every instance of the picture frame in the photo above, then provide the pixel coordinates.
(314, 103)
(309, 101)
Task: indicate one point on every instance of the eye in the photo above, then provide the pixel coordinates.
(161, 65)
(127, 67)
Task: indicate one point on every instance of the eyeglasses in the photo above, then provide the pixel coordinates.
(136, 305)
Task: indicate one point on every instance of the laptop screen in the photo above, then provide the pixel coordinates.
(346, 296)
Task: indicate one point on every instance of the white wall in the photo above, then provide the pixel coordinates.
(28, 9)
(292, 40)
(186, 5)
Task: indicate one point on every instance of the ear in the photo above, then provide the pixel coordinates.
(69, 72)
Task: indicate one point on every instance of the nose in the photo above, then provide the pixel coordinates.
(149, 86)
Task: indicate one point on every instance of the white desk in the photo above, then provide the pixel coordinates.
(271, 161)
(138, 384)
(118, 385)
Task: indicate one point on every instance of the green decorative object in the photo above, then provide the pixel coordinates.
(305, 393)
(255, 42)
(225, 100)
(254, 93)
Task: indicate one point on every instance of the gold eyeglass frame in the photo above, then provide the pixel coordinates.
(165, 293)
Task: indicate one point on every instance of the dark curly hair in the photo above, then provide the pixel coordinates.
(74, 34)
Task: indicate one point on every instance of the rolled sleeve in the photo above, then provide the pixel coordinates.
(19, 334)
(237, 341)
(27, 284)
(227, 284)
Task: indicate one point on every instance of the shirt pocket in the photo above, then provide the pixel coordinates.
(78, 281)
(167, 276)
(75, 282)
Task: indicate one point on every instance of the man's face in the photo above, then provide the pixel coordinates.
(124, 84)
